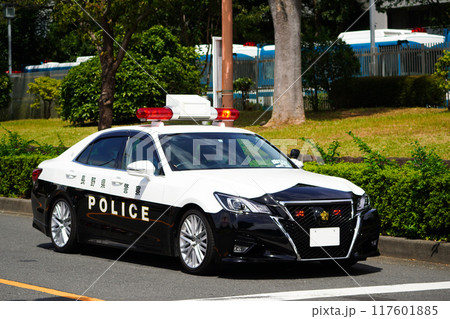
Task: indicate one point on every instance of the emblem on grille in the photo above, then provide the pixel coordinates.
(321, 215)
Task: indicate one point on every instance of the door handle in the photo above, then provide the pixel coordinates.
(71, 175)
(117, 182)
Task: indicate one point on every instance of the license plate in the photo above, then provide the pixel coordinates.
(324, 237)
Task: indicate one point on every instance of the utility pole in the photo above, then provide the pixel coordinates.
(227, 54)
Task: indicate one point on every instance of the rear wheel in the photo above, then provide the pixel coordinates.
(63, 226)
(195, 243)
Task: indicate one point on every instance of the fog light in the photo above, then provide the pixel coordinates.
(240, 249)
(374, 242)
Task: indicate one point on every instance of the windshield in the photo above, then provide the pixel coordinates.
(192, 151)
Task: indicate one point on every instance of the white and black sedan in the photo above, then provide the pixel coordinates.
(204, 193)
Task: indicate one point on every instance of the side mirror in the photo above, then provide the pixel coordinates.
(294, 154)
(297, 163)
(141, 168)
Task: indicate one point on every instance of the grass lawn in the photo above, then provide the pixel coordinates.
(390, 131)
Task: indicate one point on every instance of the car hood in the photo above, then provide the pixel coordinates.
(252, 183)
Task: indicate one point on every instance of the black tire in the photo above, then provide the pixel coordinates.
(195, 244)
(63, 226)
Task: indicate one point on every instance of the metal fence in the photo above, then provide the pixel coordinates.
(390, 61)
(394, 60)
(401, 60)
(21, 100)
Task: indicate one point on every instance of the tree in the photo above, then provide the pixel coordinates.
(243, 85)
(443, 72)
(196, 21)
(28, 34)
(433, 13)
(172, 65)
(47, 90)
(118, 21)
(5, 91)
(37, 38)
(339, 62)
(288, 99)
(192, 21)
(325, 19)
(252, 22)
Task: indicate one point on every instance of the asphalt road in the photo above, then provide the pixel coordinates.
(27, 258)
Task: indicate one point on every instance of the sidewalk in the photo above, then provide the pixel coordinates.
(425, 250)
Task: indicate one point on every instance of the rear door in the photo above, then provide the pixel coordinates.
(91, 175)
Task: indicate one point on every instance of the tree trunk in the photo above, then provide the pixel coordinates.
(106, 100)
(288, 99)
(47, 109)
(109, 69)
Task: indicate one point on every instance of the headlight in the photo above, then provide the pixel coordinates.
(363, 202)
(240, 205)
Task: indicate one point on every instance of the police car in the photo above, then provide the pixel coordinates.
(204, 193)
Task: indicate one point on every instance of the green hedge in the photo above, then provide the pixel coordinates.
(397, 91)
(15, 174)
(411, 203)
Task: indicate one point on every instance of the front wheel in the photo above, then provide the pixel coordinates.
(195, 243)
(63, 226)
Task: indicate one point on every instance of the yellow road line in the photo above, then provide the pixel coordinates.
(47, 290)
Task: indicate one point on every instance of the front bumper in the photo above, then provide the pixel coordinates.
(263, 238)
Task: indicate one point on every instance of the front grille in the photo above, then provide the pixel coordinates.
(307, 216)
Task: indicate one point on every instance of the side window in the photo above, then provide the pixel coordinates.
(141, 148)
(83, 157)
(103, 153)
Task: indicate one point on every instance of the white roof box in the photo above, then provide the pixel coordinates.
(186, 107)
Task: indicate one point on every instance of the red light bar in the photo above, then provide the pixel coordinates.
(227, 114)
(419, 30)
(154, 113)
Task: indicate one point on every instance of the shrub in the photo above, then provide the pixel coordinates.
(5, 91)
(331, 155)
(400, 91)
(442, 68)
(412, 200)
(15, 174)
(160, 63)
(18, 158)
(373, 159)
(14, 144)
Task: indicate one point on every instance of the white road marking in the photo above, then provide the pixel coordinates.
(340, 292)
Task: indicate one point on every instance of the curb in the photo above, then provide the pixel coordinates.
(16, 206)
(424, 250)
(418, 249)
